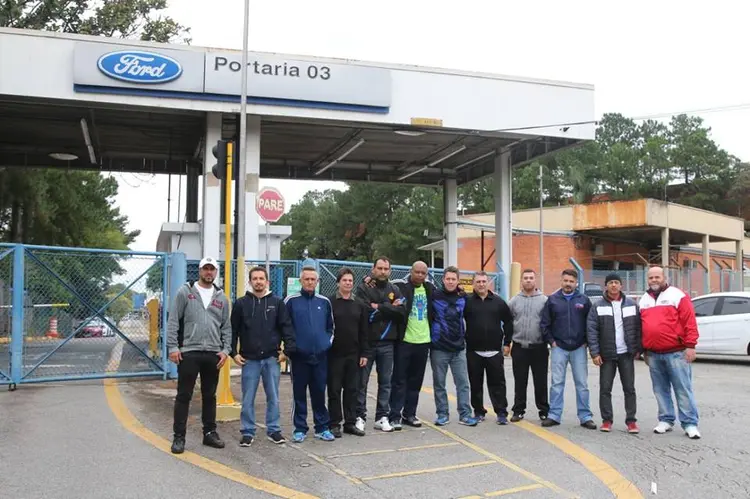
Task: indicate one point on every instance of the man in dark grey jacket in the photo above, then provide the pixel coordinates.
(614, 337)
(529, 349)
(199, 339)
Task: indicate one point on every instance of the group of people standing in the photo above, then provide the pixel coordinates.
(334, 342)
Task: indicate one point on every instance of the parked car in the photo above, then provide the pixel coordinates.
(723, 323)
(95, 327)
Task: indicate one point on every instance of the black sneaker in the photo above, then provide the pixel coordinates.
(412, 421)
(352, 430)
(516, 417)
(336, 430)
(277, 438)
(542, 416)
(212, 439)
(178, 445)
(589, 425)
(550, 422)
(246, 441)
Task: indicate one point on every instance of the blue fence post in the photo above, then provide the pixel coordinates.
(17, 332)
(581, 276)
(177, 277)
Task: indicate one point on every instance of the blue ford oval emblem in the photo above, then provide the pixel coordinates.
(139, 67)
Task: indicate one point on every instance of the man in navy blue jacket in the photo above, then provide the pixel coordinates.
(312, 318)
(564, 328)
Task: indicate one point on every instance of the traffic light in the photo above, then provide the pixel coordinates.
(220, 153)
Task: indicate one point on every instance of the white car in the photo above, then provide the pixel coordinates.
(723, 323)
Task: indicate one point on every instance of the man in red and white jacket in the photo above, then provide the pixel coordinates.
(669, 336)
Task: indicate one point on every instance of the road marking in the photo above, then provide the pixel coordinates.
(324, 462)
(500, 460)
(386, 451)
(129, 421)
(428, 470)
(505, 492)
(620, 486)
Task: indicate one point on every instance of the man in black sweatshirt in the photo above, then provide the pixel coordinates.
(489, 330)
(386, 311)
(260, 321)
(347, 355)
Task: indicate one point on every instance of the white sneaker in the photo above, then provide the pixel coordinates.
(383, 424)
(663, 427)
(692, 432)
(360, 424)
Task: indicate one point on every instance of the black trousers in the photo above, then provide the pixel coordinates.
(536, 358)
(625, 363)
(192, 365)
(410, 362)
(477, 366)
(343, 375)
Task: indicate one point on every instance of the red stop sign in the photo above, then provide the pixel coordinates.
(270, 204)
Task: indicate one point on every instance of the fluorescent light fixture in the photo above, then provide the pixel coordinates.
(437, 161)
(87, 139)
(63, 156)
(340, 158)
(480, 158)
(409, 133)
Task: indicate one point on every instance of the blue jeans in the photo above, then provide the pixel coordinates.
(440, 361)
(578, 360)
(671, 371)
(252, 372)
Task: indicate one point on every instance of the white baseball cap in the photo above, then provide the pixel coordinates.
(208, 261)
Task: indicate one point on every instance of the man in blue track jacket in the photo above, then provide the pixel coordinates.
(564, 328)
(312, 318)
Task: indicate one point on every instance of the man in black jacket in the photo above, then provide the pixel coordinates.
(347, 355)
(386, 312)
(260, 322)
(413, 348)
(614, 336)
(489, 330)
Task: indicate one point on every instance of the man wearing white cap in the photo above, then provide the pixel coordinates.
(199, 337)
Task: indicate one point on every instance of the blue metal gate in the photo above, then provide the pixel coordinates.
(77, 313)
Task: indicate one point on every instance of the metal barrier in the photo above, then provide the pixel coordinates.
(79, 313)
(694, 282)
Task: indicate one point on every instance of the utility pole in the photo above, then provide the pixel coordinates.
(541, 227)
(241, 205)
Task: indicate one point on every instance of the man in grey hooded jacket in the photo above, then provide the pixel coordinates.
(529, 348)
(199, 339)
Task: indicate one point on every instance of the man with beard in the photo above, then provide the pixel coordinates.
(260, 322)
(670, 334)
(386, 314)
(413, 349)
(564, 327)
(199, 336)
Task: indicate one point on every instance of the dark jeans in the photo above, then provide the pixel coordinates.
(535, 358)
(343, 374)
(408, 374)
(382, 355)
(312, 372)
(477, 366)
(192, 365)
(625, 363)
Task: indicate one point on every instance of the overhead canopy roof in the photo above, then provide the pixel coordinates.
(166, 141)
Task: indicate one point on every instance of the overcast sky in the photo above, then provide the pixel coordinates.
(643, 57)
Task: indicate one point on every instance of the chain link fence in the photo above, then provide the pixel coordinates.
(85, 314)
(694, 282)
(6, 318)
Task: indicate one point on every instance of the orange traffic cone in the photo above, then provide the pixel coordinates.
(52, 331)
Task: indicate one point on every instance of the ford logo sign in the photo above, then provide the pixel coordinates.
(139, 67)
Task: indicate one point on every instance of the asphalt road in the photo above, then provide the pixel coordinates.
(455, 462)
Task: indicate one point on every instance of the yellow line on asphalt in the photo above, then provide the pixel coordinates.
(505, 492)
(129, 421)
(428, 470)
(620, 486)
(333, 467)
(386, 451)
